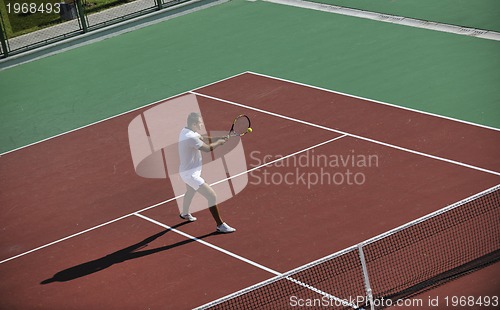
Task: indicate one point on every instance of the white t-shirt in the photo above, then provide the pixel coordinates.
(189, 151)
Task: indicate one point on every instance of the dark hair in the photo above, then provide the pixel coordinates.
(193, 118)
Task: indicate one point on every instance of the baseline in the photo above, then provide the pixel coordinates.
(371, 100)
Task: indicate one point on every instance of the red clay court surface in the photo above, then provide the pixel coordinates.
(78, 233)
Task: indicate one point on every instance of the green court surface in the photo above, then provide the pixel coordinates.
(447, 74)
(482, 14)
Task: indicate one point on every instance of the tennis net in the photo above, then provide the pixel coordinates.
(401, 263)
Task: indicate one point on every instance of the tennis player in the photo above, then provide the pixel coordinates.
(191, 143)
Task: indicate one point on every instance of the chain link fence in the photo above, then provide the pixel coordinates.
(29, 24)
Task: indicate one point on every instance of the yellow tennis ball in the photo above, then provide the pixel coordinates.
(249, 129)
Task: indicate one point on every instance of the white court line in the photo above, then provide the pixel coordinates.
(84, 126)
(348, 134)
(111, 117)
(241, 258)
(169, 200)
(279, 159)
(166, 201)
(355, 247)
(393, 19)
(86, 230)
(372, 100)
(209, 244)
(236, 75)
(156, 102)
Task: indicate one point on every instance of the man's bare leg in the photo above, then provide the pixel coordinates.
(188, 197)
(211, 197)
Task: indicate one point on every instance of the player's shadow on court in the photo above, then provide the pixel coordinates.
(120, 256)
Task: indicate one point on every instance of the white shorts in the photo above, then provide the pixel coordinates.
(192, 179)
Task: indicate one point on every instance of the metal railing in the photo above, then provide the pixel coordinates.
(29, 24)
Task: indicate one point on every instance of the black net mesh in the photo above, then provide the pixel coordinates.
(406, 261)
(436, 250)
(336, 281)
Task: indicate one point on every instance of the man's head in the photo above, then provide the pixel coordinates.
(194, 121)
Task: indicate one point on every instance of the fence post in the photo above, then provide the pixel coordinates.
(81, 15)
(3, 38)
(159, 4)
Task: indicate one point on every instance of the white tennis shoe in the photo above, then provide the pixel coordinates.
(188, 217)
(224, 228)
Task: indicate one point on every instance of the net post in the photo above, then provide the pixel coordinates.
(365, 276)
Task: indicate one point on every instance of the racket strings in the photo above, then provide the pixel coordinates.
(241, 125)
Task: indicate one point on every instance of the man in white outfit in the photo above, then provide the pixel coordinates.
(191, 143)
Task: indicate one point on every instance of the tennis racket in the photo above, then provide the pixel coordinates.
(240, 126)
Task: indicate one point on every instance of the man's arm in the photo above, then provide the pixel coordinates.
(207, 139)
(210, 147)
